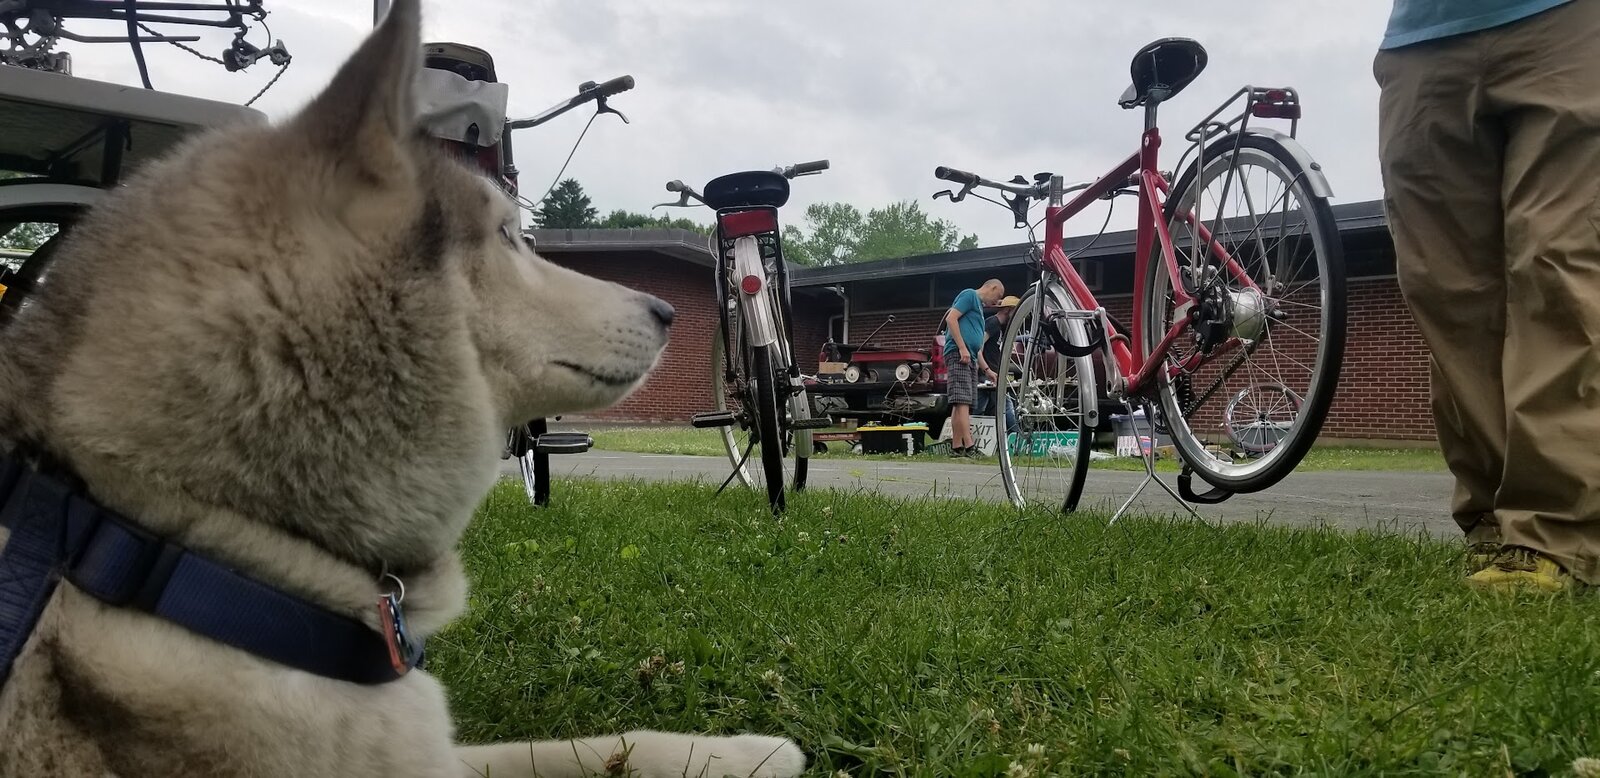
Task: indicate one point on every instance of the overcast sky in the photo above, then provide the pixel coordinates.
(885, 90)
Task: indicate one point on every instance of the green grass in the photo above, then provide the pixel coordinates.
(949, 638)
(704, 442)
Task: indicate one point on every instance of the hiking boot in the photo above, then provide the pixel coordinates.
(957, 453)
(1518, 568)
(1481, 554)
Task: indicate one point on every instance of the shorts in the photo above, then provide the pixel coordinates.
(963, 381)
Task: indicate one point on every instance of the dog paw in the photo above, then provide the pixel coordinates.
(739, 756)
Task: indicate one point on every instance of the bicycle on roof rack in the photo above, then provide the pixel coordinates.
(471, 122)
(1239, 292)
(65, 140)
(755, 381)
(32, 28)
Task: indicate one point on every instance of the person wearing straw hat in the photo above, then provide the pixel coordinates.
(994, 331)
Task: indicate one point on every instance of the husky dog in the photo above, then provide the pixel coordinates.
(296, 350)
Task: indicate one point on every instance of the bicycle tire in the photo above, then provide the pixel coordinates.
(1316, 215)
(800, 408)
(719, 395)
(1026, 484)
(799, 404)
(769, 430)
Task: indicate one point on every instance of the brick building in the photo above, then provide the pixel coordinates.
(674, 265)
(1382, 395)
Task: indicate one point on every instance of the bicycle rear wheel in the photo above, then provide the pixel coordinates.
(1045, 461)
(769, 433)
(759, 436)
(1274, 318)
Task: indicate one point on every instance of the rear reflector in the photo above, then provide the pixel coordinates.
(1271, 111)
(742, 223)
(750, 284)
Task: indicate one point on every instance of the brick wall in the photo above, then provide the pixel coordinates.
(680, 386)
(1383, 388)
(1382, 394)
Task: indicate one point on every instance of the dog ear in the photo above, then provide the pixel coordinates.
(368, 112)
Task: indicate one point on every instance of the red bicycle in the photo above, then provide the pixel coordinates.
(1238, 284)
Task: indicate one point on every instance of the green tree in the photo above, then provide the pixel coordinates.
(26, 236)
(628, 220)
(567, 207)
(839, 233)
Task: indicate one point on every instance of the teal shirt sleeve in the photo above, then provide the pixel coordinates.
(968, 303)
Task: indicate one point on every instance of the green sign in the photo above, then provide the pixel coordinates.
(1044, 444)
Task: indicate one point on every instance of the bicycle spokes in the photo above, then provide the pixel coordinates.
(1266, 306)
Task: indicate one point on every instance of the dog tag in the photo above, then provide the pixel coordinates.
(402, 653)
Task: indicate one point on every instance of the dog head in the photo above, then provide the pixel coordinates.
(327, 325)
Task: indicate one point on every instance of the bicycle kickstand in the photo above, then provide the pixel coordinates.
(1149, 460)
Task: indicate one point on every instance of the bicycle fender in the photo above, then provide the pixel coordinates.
(1308, 166)
(760, 325)
(1186, 490)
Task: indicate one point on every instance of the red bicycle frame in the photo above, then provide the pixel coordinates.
(1134, 364)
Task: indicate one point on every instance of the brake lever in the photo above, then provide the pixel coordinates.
(601, 106)
(957, 197)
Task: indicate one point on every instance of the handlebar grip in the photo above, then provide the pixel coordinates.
(809, 167)
(614, 86)
(957, 176)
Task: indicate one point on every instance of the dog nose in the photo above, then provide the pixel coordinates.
(662, 310)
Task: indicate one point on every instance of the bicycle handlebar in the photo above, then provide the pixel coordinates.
(587, 91)
(686, 193)
(970, 180)
(1037, 191)
(954, 176)
(616, 85)
(804, 169)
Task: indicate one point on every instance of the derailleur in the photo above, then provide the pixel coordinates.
(243, 54)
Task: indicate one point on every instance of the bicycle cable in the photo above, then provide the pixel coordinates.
(534, 206)
(207, 57)
(736, 468)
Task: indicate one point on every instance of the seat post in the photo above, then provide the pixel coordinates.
(1152, 102)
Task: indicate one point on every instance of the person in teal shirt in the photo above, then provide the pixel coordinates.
(1489, 144)
(1415, 21)
(963, 359)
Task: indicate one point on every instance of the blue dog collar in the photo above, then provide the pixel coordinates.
(57, 531)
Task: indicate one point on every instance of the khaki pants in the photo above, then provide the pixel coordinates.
(1490, 147)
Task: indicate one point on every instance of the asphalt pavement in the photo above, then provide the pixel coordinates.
(1406, 502)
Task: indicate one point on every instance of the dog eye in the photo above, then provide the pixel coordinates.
(510, 236)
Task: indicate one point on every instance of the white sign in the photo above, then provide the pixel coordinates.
(983, 434)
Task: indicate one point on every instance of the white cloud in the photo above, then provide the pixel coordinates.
(886, 89)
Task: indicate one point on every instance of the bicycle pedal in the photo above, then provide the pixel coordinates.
(818, 423)
(712, 419)
(564, 443)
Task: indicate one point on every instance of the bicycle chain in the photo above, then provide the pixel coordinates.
(1195, 401)
(218, 60)
(205, 57)
(281, 69)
